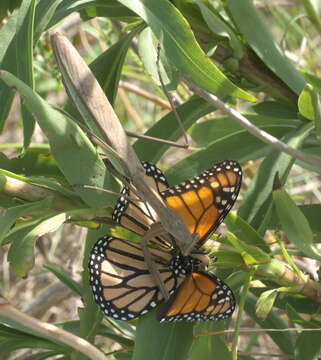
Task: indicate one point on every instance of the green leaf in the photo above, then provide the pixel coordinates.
(124, 327)
(308, 344)
(68, 144)
(119, 338)
(181, 47)
(56, 187)
(147, 47)
(122, 355)
(21, 253)
(24, 59)
(8, 6)
(17, 336)
(256, 206)
(106, 331)
(107, 69)
(64, 277)
(45, 11)
(299, 302)
(240, 146)
(305, 103)
(245, 232)
(314, 151)
(108, 66)
(294, 224)
(10, 216)
(276, 109)
(265, 303)
(310, 107)
(16, 56)
(169, 129)
(315, 81)
(251, 255)
(229, 259)
(162, 341)
(284, 340)
(219, 27)
(37, 160)
(211, 130)
(8, 346)
(111, 9)
(20, 230)
(251, 26)
(236, 279)
(209, 347)
(311, 212)
(8, 36)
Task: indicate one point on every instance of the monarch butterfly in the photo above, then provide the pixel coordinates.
(124, 288)
(202, 202)
(120, 279)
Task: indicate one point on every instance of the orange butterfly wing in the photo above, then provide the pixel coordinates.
(201, 296)
(204, 201)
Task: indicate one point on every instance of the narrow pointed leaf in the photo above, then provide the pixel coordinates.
(265, 303)
(257, 201)
(181, 47)
(295, 224)
(253, 29)
(76, 156)
(165, 341)
(169, 129)
(24, 59)
(252, 255)
(245, 232)
(21, 253)
(9, 217)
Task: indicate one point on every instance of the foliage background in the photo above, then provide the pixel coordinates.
(269, 230)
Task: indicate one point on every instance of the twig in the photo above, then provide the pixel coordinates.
(49, 330)
(268, 354)
(252, 129)
(143, 93)
(52, 295)
(151, 138)
(251, 331)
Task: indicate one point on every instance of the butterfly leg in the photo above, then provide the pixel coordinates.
(155, 230)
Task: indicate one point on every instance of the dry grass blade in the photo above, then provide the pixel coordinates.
(79, 344)
(90, 93)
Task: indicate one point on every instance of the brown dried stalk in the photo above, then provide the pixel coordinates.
(90, 93)
(77, 343)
